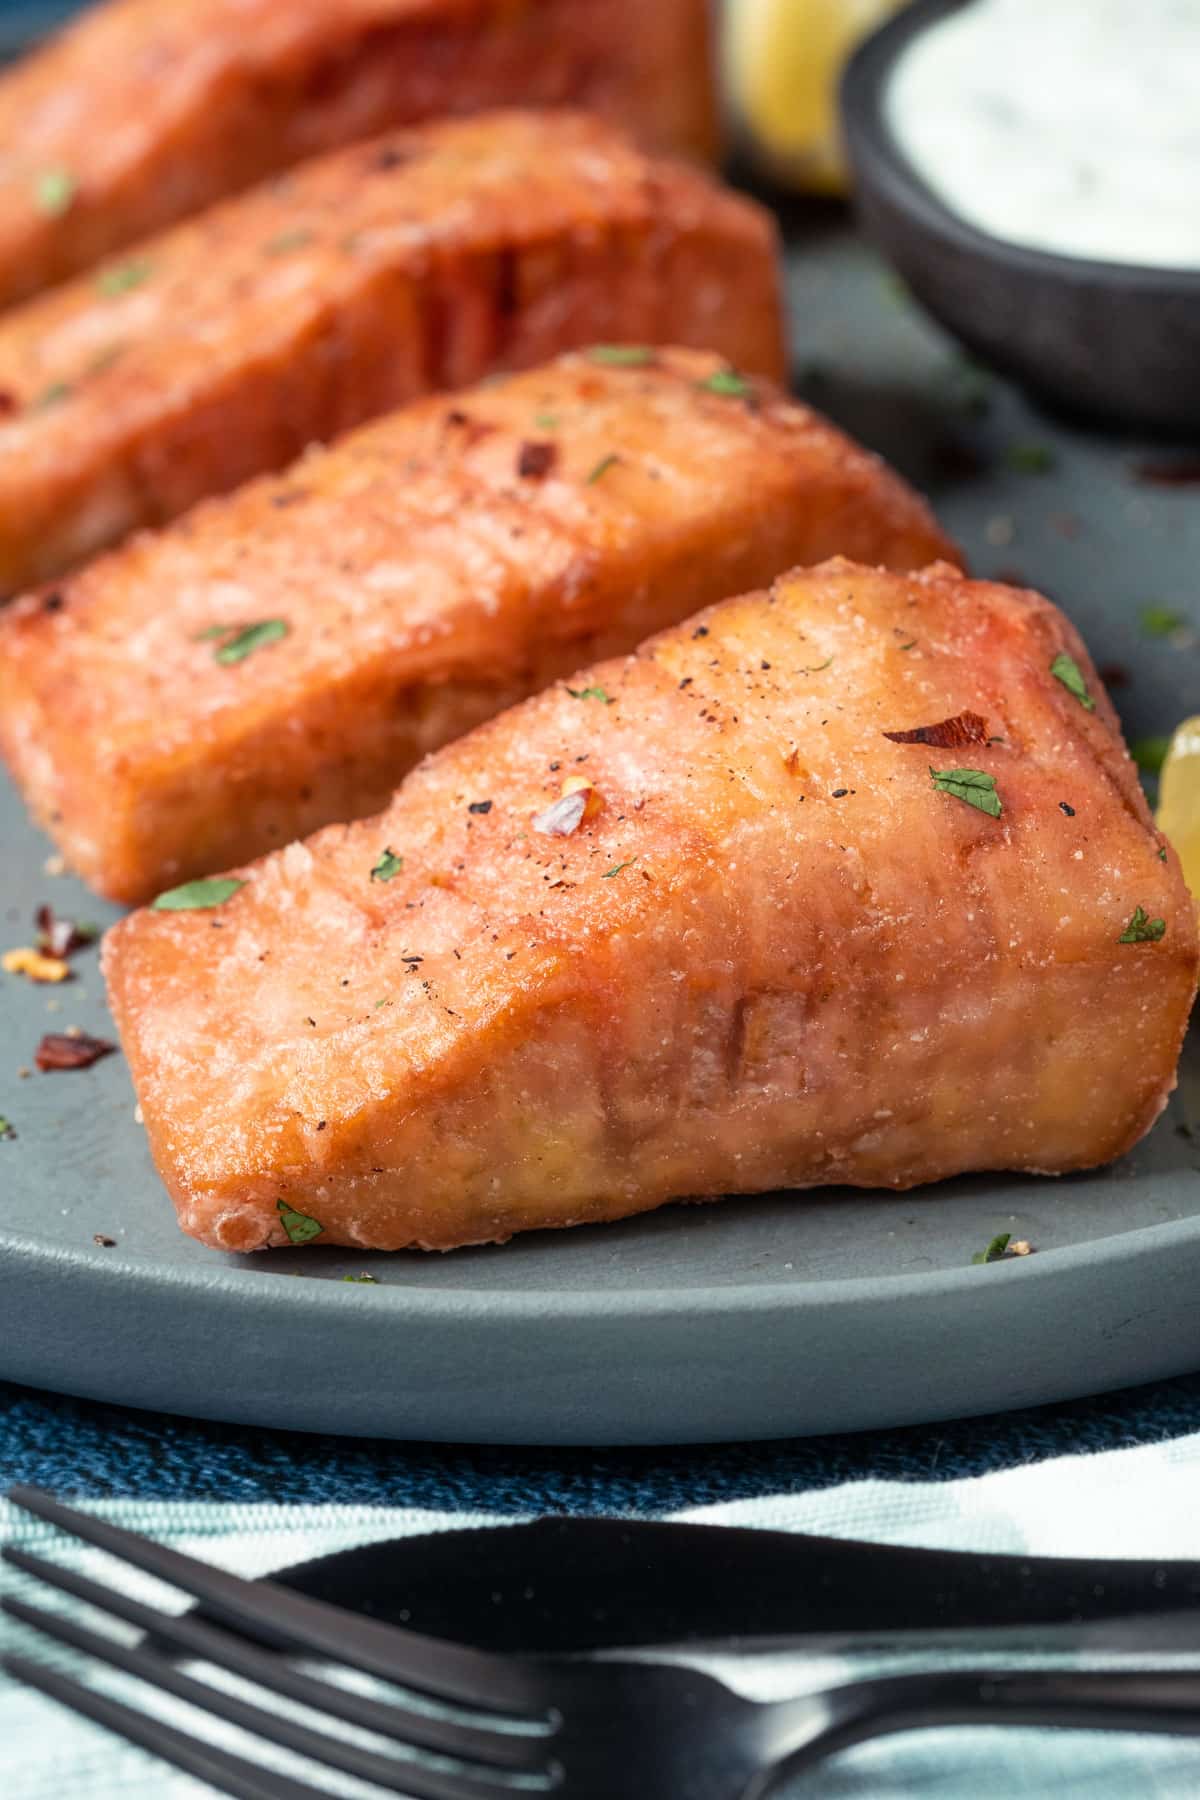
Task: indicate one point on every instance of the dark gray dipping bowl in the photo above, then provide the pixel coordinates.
(1114, 342)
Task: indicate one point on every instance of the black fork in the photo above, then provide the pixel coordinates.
(461, 1724)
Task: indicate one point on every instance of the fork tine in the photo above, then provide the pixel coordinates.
(418, 1780)
(276, 1616)
(220, 1768)
(503, 1743)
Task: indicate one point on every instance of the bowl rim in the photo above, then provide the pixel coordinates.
(880, 159)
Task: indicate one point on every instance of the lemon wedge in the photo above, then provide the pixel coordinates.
(783, 61)
(1178, 816)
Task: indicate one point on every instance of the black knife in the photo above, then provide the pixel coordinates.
(563, 1584)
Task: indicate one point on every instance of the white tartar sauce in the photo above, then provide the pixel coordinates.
(1066, 125)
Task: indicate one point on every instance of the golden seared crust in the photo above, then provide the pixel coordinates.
(144, 111)
(776, 955)
(429, 570)
(422, 260)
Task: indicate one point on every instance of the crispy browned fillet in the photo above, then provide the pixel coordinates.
(417, 261)
(776, 955)
(144, 111)
(409, 582)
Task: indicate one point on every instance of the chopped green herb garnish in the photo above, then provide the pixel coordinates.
(909, 646)
(817, 667)
(249, 638)
(547, 421)
(105, 359)
(125, 276)
(54, 191)
(289, 240)
(727, 381)
(622, 356)
(84, 932)
(974, 786)
(1064, 668)
(1159, 621)
(1162, 855)
(602, 467)
(54, 395)
(198, 896)
(1142, 929)
(373, 1279)
(995, 1250)
(1150, 753)
(1030, 459)
(590, 693)
(299, 1227)
(6, 1128)
(386, 869)
(617, 867)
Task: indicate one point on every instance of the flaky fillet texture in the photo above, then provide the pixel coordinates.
(776, 956)
(148, 110)
(429, 571)
(422, 260)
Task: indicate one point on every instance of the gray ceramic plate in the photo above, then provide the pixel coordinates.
(757, 1318)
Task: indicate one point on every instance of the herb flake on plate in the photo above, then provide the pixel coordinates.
(198, 896)
(974, 786)
(590, 693)
(616, 869)
(299, 1227)
(1150, 753)
(1064, 668)
(1030, 459)
(1159, 621)
(1143, 930)
(601, 469)
(995, 1251)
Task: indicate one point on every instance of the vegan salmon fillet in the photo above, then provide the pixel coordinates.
(283, 656)
(418, 261)
(144, 111)
(867, 893)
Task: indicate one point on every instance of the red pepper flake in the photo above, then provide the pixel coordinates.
(951, 734)
(1114, 675)
(1170, 471)
(392, 156)
(59, 1050)
(61, 937)
(536, 459)
(9, 404)
(105, 1242)
(472, 429)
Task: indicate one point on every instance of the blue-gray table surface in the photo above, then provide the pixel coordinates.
(867, 358)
